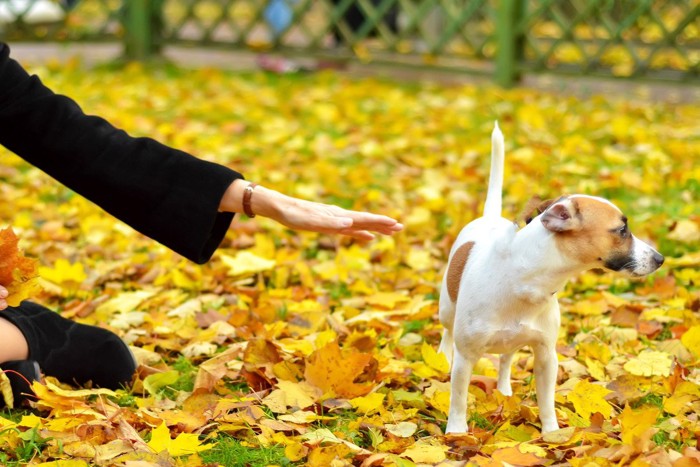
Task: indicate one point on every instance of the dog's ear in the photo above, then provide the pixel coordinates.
(542, 207)
(535, 207)
(561, 216)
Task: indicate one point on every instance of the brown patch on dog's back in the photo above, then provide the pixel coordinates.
(456, 268)
(596, 238)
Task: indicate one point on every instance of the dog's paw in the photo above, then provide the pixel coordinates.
(506, 390)
(456, 428)
(548, 427)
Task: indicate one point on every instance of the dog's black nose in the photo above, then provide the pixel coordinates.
(658, 259)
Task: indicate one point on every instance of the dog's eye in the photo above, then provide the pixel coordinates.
(623, 231)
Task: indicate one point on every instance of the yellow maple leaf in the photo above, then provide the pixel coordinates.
(246, 262)
(589, 398)
(387, 300)
(590, 307)
(596, 350)
(691, 340)
(184, 444)
(17, 272)
(438, 395)
(65, 463)
(650, 363)
(291, 394)
(436, 361)
(295, 451)
(419, 260)
(155, 382)
(685, 394)
(424, 452)
(369, 403)
(636, 424)
(63, 271)
(30, 421)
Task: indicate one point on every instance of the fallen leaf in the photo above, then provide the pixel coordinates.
(402, 429)
(636, 425)
(423, 452)
(245, 262)
(650, 363)
(323, 371)
(589, 398)
(691, 340)
(184, 444)
(63, 271)
(437, 361)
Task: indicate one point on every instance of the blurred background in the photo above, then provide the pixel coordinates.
(506, 40)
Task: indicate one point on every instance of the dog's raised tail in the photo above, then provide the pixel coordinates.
(494, 196)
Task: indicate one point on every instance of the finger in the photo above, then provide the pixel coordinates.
(3, 304)
(378, 226)
(3, 292)
(367, 218)
(361, 231)
(389, 230)
(358, 234)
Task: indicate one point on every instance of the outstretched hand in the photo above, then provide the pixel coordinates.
(317, 217)
(300, 214)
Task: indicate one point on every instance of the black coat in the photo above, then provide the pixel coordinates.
(163, 193)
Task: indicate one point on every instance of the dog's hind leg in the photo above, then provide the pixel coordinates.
(504, 364)
(461, 375)
(446, 311)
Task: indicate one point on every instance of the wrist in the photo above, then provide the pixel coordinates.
(265, 202)
(262, 201)
(232, 200)
(247, 199)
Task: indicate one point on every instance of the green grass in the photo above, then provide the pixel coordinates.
(231, 453)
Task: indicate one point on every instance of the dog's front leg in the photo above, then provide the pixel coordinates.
(504, 364)
(546, 365)
(461, 375)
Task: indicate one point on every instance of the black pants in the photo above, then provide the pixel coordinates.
(72, 352)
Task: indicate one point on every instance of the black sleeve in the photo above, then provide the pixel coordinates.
(163, 193)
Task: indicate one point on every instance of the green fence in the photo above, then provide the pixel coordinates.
(649, 39)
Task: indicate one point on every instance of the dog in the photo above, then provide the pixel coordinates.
(499, 290)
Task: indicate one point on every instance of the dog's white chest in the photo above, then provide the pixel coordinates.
(531, 294)
(512, 338)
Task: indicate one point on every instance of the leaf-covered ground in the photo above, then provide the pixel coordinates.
(299, 349)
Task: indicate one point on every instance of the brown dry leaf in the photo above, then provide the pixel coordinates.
(335, 371)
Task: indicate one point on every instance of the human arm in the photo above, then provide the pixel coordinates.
(181, 201)
(299, 214)
(164, 193)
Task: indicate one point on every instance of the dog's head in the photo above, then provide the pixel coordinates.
(594, 232)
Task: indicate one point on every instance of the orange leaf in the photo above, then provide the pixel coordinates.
(17, 272)
(332, 370)
(514, 456)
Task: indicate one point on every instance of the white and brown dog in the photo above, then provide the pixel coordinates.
(499, 291)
